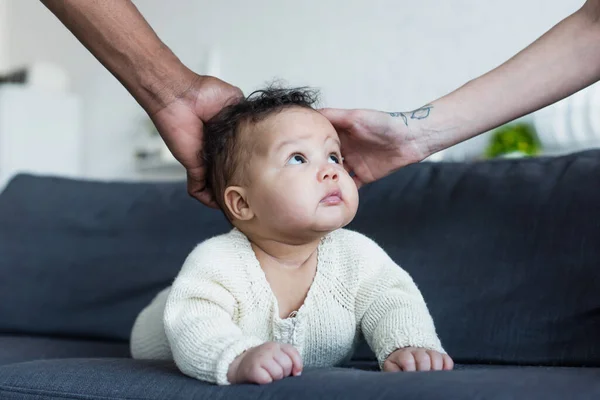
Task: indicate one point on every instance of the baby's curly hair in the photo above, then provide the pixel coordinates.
(224, 152)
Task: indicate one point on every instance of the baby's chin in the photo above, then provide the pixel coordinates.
(312, 229)
(312, 223)
(328, 224)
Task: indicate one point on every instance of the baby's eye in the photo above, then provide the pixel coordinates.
(297, 159)
(333, 158)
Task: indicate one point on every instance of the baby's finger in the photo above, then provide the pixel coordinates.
(422, 359)
(284, 361)
(448, 362)
(273, 368)
(259, 375)
(297, 364)
(437, 361)
(406, 360)
(391, 366)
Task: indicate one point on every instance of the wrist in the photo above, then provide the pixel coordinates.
(162, 82)
(437, 132)
(421, 141)
(417, 134)
(233, 368)
(428, 141)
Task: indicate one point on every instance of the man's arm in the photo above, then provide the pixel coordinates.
(563, 61)
(178, 100)
(115, 32)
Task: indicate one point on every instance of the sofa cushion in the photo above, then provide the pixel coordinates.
(15, 349)
(132, 379)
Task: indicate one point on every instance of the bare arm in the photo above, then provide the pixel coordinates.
(558, 64)
(563, 61)
(115, 32)
(178, 100)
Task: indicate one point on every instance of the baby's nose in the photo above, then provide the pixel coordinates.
(328, 172)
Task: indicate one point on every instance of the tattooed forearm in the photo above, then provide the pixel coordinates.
(400, 114)
(419, 113)
(422, 112)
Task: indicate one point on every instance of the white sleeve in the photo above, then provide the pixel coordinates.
(199, 322)
(390, 307)
(148, 338)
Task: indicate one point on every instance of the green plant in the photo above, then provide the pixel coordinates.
(513, 139)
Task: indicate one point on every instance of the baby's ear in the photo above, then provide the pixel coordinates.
(235, 201)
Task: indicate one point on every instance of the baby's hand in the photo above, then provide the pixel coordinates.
(265, 363)
(417, 359)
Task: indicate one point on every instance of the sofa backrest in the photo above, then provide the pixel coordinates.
(506, 253)
(82, 258)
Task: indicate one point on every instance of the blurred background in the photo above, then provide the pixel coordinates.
(71, 117)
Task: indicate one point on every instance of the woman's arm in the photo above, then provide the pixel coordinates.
(558, 64)
(563, 61)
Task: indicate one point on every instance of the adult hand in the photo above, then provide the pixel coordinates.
(181, 123)
(375, 143)
(178, 100)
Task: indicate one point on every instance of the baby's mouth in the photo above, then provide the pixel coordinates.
(332, 198)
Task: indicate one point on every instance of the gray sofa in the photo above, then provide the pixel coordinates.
(507, 254)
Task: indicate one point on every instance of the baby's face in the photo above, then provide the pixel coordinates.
(297, 183)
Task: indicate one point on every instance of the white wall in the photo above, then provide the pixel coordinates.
(46, 140)
(35, 36)
(390, 55)
(3, 36)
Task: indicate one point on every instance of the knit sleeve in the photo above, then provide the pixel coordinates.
(199, 323)
(148, 340)
(390, 307)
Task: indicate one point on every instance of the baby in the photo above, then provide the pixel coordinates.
(286, 288)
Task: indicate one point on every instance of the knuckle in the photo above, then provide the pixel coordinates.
(285, 361)
(409, 359)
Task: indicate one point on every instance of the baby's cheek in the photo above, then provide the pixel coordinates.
(351, 194)
(287, 205)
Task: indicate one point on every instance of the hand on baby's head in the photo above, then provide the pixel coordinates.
(275, 165)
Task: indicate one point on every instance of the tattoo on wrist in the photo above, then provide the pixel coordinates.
(419, 113)
(400, 114)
